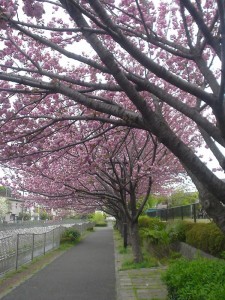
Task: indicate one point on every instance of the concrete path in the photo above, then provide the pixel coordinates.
(138, 284)
(85, 272)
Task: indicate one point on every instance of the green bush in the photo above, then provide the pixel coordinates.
(151, 223)
(154, 236)
(177, 230)
(101, 224)
(71, 235)
(200, 279)
(99, 219)
(43, 215)
(157, 242)
(180, 197)
(207, 237)
(24, 216)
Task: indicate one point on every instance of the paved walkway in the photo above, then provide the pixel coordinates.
(85, 272)
(138, 284)
(91, 271)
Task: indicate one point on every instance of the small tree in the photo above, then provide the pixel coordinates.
(180, 197)
(98, 218)
(153, 201)
(25, 216)
(4, 207)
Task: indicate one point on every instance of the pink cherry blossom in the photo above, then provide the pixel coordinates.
(80, 75)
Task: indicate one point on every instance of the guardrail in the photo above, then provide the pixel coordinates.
(21, 248)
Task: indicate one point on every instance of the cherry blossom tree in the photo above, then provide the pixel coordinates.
(151, 65)
(115, 172)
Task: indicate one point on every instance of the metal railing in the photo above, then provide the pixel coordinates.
(21, 248)
(192, 211)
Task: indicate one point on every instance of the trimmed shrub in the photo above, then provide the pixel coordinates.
(200, 279)
(177, 230)
(206, 237)
(71, 235)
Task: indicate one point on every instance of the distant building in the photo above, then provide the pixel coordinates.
(10, 207)
(161, 206)
(15, 207)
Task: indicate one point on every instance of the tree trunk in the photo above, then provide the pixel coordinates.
(135, 242)
(119, 226)
(214, 208)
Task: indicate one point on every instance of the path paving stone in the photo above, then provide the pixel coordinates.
(139, 284)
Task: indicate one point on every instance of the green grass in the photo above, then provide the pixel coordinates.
(127, 256)
(128, 260)
(123, 250)
(66, 245)
(148, 262)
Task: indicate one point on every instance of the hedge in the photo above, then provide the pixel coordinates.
(200, 279)
(207, 237)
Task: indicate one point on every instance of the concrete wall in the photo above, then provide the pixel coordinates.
(190, 252)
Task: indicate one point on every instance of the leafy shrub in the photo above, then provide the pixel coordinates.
(177, 230)
(180, 197)
(157, 242)
(200, 279)
(153, 236)
(99, 219)
(45, 216)
(90, 229)
(24, 216)
(156, 236)
(71, 235)
(101, 224)
(207, 237)
(151, 223)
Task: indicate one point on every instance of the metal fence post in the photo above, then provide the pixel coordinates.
(182, 213)
(17, 250)
(125, 235)
(44, 241)
(32, 254)
(194, 213)
(53, 238)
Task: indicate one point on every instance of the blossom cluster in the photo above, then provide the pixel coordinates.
(33, 8)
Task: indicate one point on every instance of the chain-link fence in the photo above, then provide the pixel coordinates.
(18, 249)
(41, 223)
